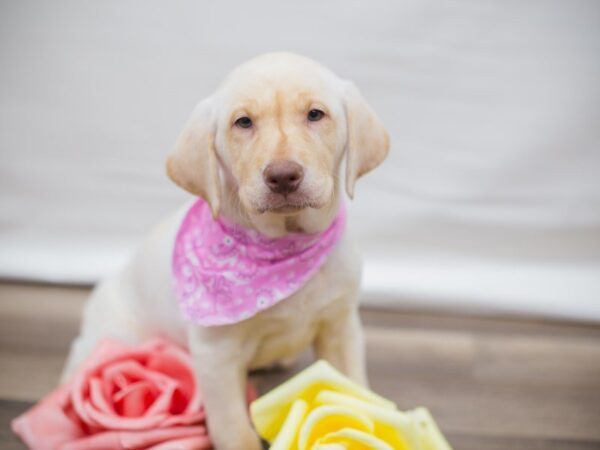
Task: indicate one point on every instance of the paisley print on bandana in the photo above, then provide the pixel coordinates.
(224, 273)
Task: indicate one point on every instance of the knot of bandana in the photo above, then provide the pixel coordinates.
(224, 273)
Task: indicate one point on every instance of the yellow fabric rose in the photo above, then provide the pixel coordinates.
(320, 409)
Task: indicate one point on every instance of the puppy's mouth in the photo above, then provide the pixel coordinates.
(286, 204)
(285, 209)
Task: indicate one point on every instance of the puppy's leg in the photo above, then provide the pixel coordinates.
(221, 374)
(341, 343)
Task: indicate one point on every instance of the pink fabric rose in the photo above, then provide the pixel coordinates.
(121, 398)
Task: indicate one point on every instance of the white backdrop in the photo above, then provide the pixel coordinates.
(490, 199)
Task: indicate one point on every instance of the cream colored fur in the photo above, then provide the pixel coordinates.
(223, 164)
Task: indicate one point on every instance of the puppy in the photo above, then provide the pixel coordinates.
(263, 154)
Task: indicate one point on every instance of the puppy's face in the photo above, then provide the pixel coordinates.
(282, 140)
(271, 140)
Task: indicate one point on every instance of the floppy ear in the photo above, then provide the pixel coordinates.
(368, 141)
(193, 162)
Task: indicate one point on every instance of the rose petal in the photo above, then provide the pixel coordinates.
(115, 422)
(48, 424)
(326, 419)
(124, 373)
(116, 378)
(178, 364)
(184, 419)
(97, 397)
(170, 438)
(153, 437)
(135, 400)
(164, 401)
(191, 443)
(288, 434)
(351, 438)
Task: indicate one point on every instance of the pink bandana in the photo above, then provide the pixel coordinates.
(225, 273)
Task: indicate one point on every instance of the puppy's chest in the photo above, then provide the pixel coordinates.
(287, 330)
(289, 327)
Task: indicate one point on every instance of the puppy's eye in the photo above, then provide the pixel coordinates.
(314, 115)
(244, 122)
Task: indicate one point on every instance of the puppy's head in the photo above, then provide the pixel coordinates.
(271, 140)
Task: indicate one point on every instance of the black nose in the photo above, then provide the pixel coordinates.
(283, 177)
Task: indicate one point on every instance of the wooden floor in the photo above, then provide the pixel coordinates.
(492, 384)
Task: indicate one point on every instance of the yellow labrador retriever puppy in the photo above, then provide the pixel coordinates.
(264, 153)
